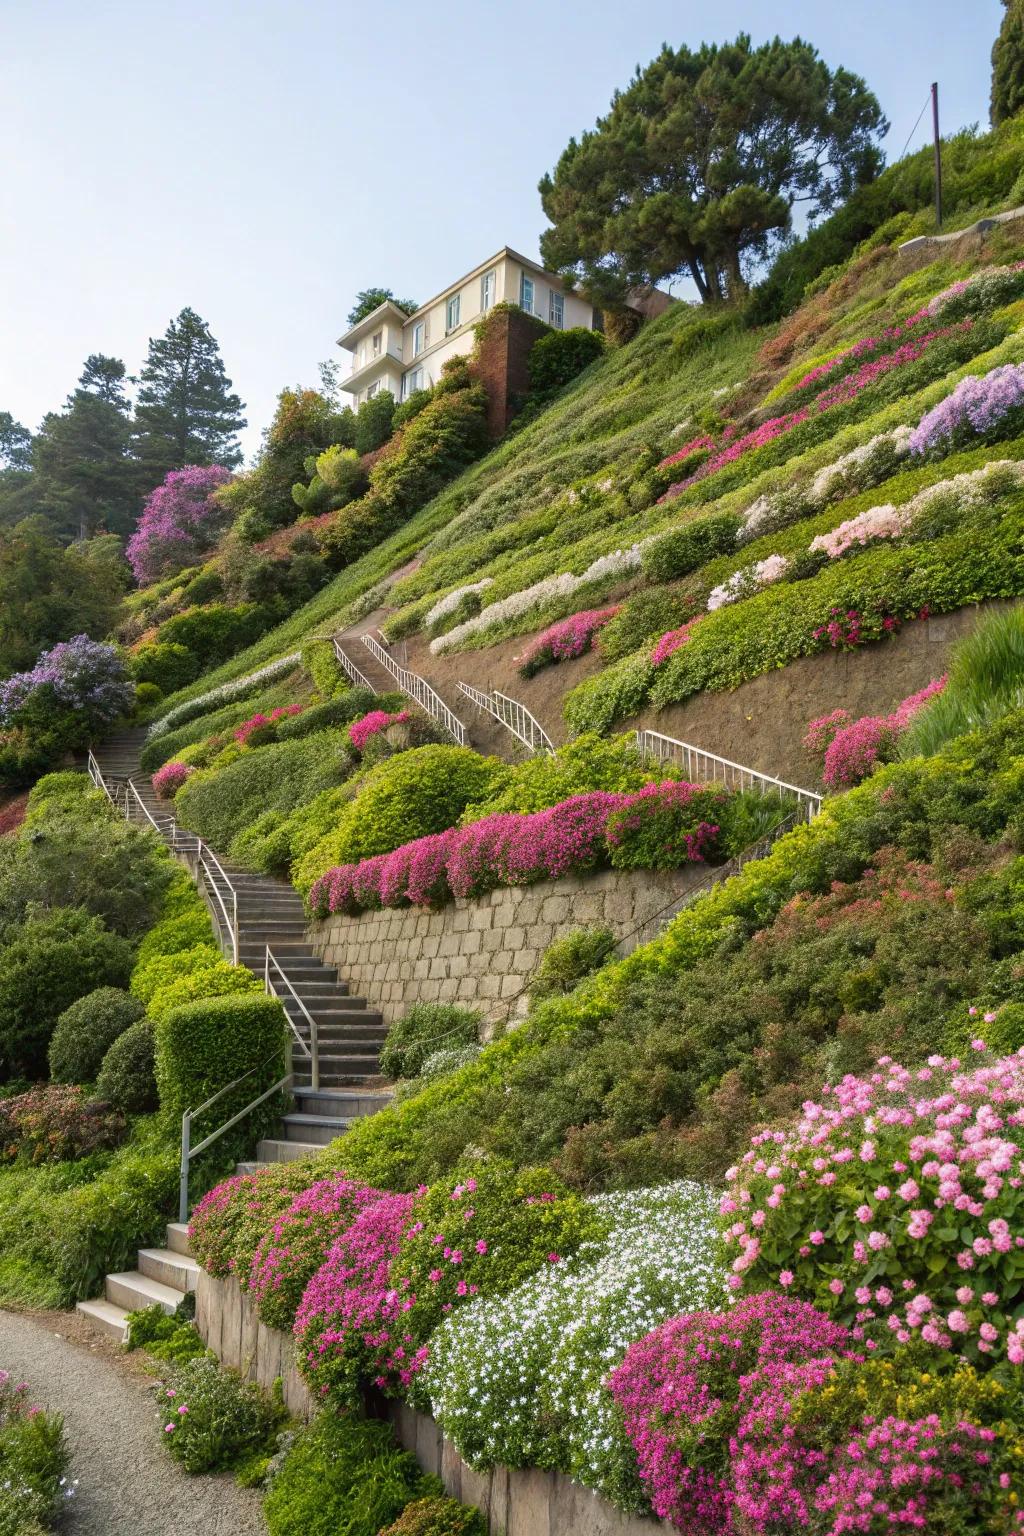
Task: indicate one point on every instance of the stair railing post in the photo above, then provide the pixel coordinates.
(314, 1047)
(186, 1140)
(234, 925)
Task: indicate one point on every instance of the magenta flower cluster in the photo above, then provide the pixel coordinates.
(849, 749)
(565, 640)
(989, 406)
(179, 522)
(895, 1203)
(168, 780)
(255, 725)
(361, 731)
(733, 448)
(860, 349)
(299, 1242)
(673, 640)
(506, 849)
(77, 676)
(701, 444)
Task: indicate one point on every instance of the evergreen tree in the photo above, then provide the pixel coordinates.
(84, 479)
(15, 443)
(106, 377)
(49, 592)
(186, 413)
(370, 299)
(1008, 65)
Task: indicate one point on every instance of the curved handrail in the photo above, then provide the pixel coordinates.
(312, 1050)
(350, 669)
(515, 717)
(700, 764)
(418, 689)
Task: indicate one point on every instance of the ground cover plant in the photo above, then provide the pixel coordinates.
(34, 1483)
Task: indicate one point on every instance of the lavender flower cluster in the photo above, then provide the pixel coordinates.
(79, 675)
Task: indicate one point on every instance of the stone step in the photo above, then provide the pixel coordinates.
(177, 1270)
(335, 1020)
(133, 1291)
(106, 1316)
(177, 1237)
(314, 1128)
(348, 1104)
(275, 1150)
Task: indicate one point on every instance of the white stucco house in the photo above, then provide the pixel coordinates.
(399, 352)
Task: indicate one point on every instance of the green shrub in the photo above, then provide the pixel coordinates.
(685, 549)
(589, 762)
(34, 1457)
(558, 356)
(566, 962)
(56, 1124)
(146, 695)
(343, 1476)
(165, 665)
(162, 1336)
(184, 923)
(127, 1076)
(986, 678)
(86, 1031)
(219, 979)
(645, 618)
(423, 1030)
(373, 422)
(411, 406)
(337, 711)
(320, 664)
(201, 1047)
(407, 796)
(438, 1517)
(211, 1420)
(217, 631)
(160, 970)
(46, 963)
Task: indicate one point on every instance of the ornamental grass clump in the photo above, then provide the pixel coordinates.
(299, 1242)
(519, 1380)
(895, 1205)
(565, 640)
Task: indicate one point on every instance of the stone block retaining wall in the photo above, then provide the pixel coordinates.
(483, 952)
(514, 1501)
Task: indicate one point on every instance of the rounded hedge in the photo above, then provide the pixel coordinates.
(127, 1077)
(85, 1032)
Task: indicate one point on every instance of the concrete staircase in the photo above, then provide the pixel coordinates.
(164, 1276)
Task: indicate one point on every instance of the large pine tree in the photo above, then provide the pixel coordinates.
(1008, 64)
(185, 412)
(84, 480)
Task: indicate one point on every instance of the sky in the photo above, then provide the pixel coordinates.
(262, 162)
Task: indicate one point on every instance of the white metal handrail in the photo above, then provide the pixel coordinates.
(312, 1050)
(96, 774)
(350, 669)
(418, 689)
(708, 766)
(515, 717)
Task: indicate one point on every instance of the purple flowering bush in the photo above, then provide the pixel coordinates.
(180, 521)
(299, 1241)
(989, 408)
(895, 1204)
(73, 691)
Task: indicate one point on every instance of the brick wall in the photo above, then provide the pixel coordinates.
(501, 364)
(483, 952)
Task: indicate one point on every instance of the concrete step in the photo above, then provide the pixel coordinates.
(247, 1167)
(106, 1316)
(133, 1291)
(177, 1270)
(314, 1128)
(177, 1237)
(277, 1150)
(348, 1104)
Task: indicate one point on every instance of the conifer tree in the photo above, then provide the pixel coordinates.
(1008, 65)
(186, 413)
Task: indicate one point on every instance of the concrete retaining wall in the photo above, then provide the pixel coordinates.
(483, 952)
(515, 1502)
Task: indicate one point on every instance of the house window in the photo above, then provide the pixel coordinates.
(378, 343)
(556, 310)
(373, 390)
(413, 380)
(419, 337)
(452, 313)
(488, 288)
(526, 293)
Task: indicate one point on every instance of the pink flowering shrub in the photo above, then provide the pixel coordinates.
(701, 445)
(259, 728)
(822, 732)
(180, 521)
(895, 1204)
(512, 849)
(733, 448)
(848, 750)
(861, 351)
(673, 640)
(883, 522)
(299, 1241)
(360, 731)
(705, 1401)
(845, 629)
(168, 780)
(565, 640)
(347, 1324)
(231, 1220)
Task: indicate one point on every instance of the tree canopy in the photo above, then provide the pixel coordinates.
(372, 298)
(48, 592)
(1008, 65)
(699, 163)
(186, 413)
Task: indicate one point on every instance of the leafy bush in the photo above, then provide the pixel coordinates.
(687, 548)
(75, 690)
(438, 1517)
(217, 631)
(159, 970)
(34, 1458)
(184, 923)
(569, 959)
(163, 1337)
(585, 764)
(423, 1030)
(46, 963)
(343, 1475)
(164, 665)
(321, 665)
(203, 1046)
(558, 356)
(211, 1420)
(127, 1076)
(57, 1124)
(85, 1032)
(337, 711)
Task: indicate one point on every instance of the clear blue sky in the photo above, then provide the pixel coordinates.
(263, 161)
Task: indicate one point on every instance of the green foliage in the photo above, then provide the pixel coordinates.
(373, 421)
(186, 413)
(369, 299)
(411, 406)
(127, 1076)
(34, 1457)
(201, 1047)
(645, 618)
(146, 695)
(86, 1031)
(986, 678)
(161, 969)
(437, 1517)
(46, 963)
(343, 1476)
(211, 978)
(163, 1337)
(407, 796)
(213, 633)
(558, 356)
(348, 706)
(687, 548)
(166, 664)
(566, 962)
(587, 763)
(211, 1420)
(50, 591)
(1008, 65)
(321, 665)
(184, 924)
(423, 1030)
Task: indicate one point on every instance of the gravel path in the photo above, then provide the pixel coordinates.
(127, 1483)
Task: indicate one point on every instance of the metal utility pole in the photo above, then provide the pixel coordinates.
(938, 155)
